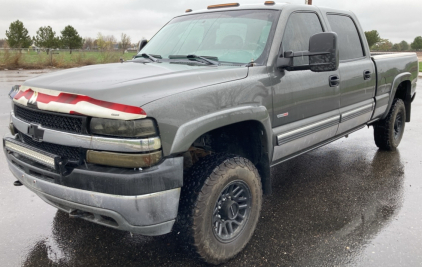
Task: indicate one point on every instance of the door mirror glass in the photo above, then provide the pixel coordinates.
(323, 52)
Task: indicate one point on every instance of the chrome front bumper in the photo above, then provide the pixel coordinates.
(149, 214)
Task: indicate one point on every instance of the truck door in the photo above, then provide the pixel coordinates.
(305, 103)
(357, 72)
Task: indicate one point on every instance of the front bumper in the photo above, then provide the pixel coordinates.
(124, 207)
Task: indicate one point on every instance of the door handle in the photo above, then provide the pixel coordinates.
(334, 80)
(367, 75)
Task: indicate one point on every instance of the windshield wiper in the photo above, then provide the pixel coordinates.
(207, 60)
(212, 62)
(153, 58)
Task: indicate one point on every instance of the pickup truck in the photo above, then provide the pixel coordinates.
(184, 135)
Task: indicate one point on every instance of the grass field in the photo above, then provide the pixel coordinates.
(12, 59)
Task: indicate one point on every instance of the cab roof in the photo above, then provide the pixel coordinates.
(263, 6)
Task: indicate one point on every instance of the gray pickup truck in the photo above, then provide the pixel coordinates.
(184, 134)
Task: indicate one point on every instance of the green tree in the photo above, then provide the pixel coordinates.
(17, 35)
(417, 43)
(404, 46)
(46, 38)
(70, 38)
(373, 37)
(396, 47)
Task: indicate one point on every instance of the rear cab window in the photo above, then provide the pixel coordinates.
(349, 40)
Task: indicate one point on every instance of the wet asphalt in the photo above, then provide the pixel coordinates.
(345, 204)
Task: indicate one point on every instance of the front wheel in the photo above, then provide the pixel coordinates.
(220, 206)
(389, 131)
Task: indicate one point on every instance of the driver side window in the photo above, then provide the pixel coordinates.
(300, 27)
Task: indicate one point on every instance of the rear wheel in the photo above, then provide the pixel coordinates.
(220, 206)
(389, 131)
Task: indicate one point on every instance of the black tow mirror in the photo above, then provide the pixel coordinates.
(324, 47)
(323, 54)
(142, 44)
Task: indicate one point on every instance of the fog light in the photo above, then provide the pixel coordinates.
(123, 160)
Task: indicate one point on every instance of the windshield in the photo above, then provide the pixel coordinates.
(230, 36)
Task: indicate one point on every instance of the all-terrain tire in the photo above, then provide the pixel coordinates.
(206, 185)
(389, 131)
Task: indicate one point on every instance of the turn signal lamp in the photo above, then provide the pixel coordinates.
(223, 5)
(123, 160)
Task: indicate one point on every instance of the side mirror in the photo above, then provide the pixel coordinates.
(324, 47)
(323, 54)
(142, 44)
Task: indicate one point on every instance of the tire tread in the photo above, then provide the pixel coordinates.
(383, 135)
(197, 188)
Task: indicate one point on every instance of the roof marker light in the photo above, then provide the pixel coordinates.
(188, 10)
(223, 5)
(269, 3)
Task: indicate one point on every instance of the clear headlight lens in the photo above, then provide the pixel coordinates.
(134, 128)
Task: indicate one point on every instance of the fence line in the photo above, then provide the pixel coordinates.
(66, 50)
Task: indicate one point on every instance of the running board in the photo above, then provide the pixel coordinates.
(318, 145)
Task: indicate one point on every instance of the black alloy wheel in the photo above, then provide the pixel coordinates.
(231, 212)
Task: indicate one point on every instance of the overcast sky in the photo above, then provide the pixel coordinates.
(395, 20)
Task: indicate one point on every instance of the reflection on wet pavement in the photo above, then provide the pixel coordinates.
(344, 204)
(318, 209)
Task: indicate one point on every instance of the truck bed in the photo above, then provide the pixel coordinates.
(391, 70)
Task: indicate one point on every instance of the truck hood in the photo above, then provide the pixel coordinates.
(135, 83)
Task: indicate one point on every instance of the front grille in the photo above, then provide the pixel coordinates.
(71, 153)
(72, 124)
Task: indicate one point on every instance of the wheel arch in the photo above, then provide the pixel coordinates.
(401, 88)
(239, 124)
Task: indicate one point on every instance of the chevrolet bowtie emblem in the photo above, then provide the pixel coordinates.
(36, 132)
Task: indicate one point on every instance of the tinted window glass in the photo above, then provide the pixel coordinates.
(350, 46)
(299, 28)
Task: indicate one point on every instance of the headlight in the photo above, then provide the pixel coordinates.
(134, 128)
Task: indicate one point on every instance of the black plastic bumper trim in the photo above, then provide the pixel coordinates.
(116, 181)
(108, 180)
